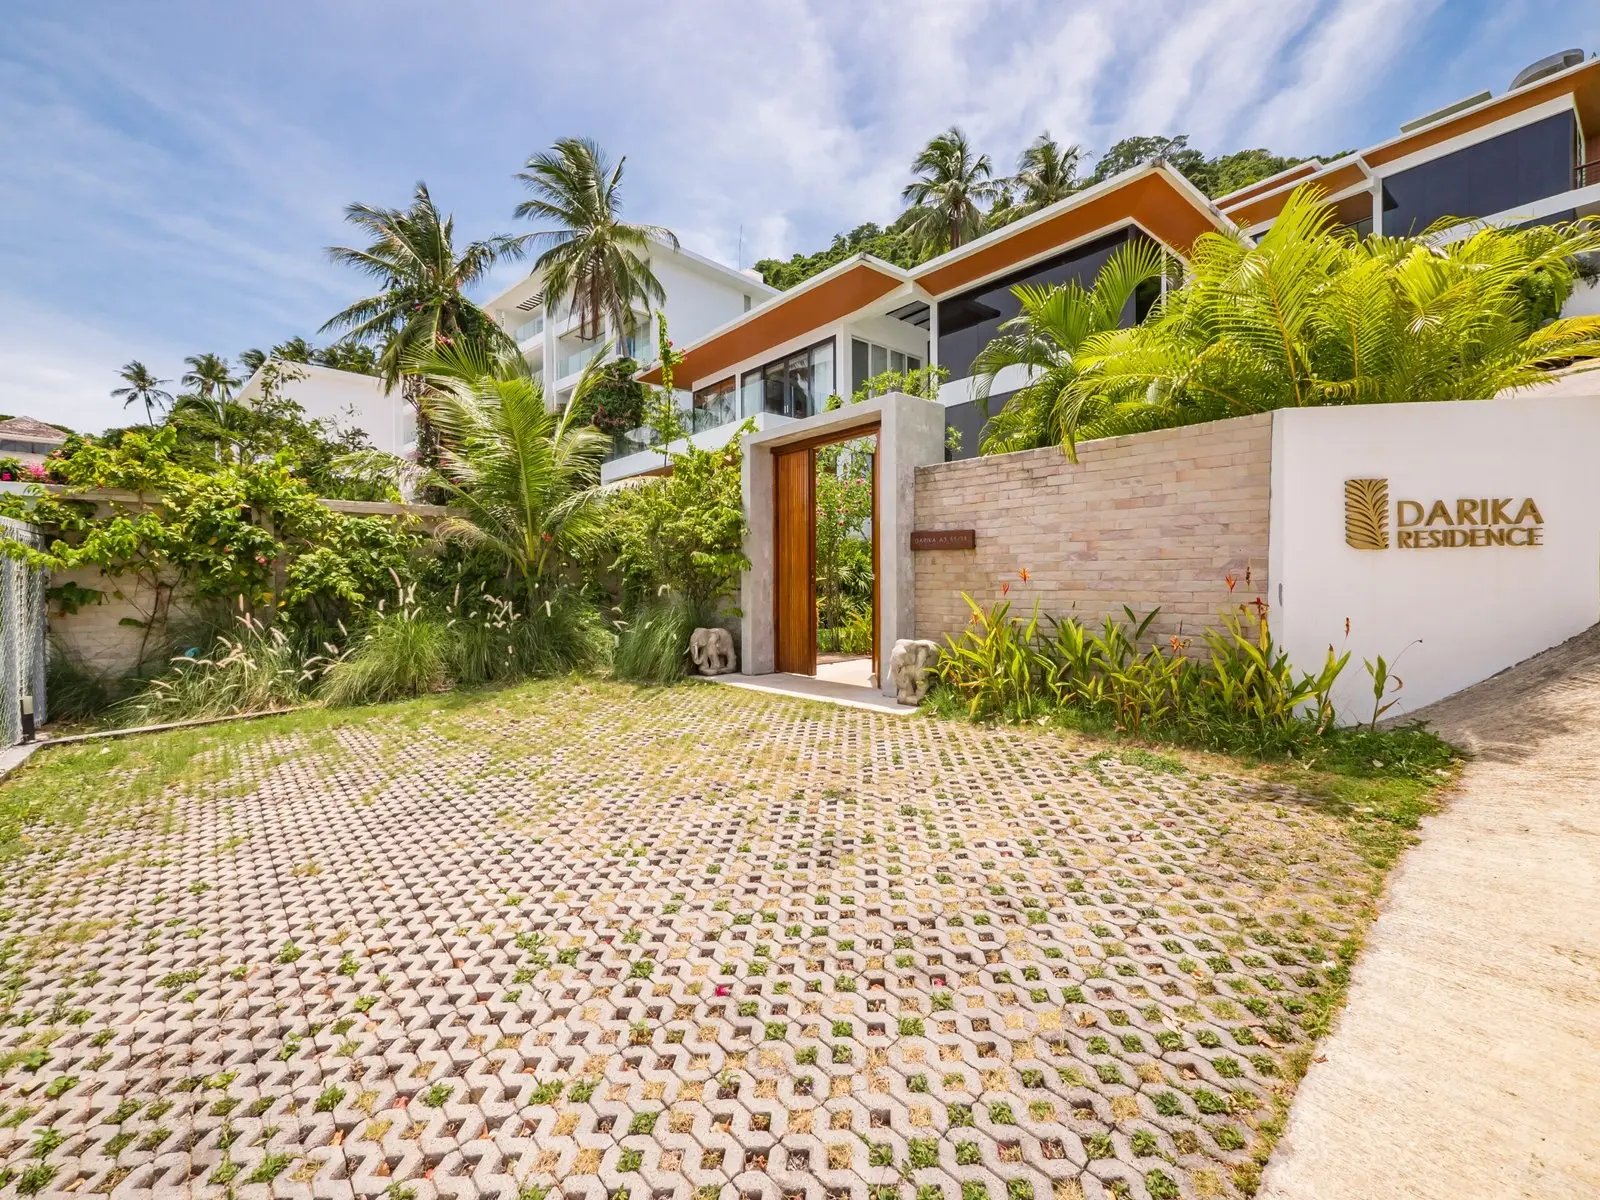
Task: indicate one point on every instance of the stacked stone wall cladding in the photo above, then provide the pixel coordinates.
(1151, 520)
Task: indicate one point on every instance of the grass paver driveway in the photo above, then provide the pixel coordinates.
(691, 942)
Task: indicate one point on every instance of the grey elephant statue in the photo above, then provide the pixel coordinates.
(712, 651)
(910, 663)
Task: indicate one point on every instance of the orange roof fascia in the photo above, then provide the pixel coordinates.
(1582, 83)
(780, 320)
(1298, 171)
(1331, 182)
(1151, 200)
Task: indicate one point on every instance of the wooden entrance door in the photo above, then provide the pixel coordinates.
(794, 560)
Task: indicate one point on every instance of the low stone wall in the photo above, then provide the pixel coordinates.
(1151, 520)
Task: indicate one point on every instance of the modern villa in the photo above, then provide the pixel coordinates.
(1529, 155)
(701, 295)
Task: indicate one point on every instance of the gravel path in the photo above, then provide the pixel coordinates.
(1467, 1063)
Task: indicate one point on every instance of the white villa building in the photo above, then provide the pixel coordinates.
(701, 295)
(347, 399)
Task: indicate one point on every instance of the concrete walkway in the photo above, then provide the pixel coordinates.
(1467, 1064)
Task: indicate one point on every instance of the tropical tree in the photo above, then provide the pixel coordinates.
(948, 196)
(1046, 340)
(1046, 172)
(592, 257)
(526, 480)
(142, 387)
(210, 376)
(421, 302)
(1313, 315)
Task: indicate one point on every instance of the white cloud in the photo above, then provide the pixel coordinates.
(171, 183)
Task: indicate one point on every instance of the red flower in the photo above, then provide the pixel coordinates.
(1023, 574)
(1230, 581)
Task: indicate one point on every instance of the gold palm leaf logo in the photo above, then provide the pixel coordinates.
(1366, 514)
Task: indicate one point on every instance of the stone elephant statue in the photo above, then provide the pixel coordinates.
(910, 663)
(712, 651)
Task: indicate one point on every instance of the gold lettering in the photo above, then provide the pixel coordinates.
(1497, 537)
(1403, 510)
(1536, 536)
(1516, 537)
(1439, 513)
(1499, 515)
(1476, 537)
(1466, 512)
(1403, 538)
(1529, 508)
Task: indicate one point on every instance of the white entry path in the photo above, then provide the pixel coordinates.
(1467, 1064)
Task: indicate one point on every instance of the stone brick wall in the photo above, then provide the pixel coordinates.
(1150, 520)
(96, 633)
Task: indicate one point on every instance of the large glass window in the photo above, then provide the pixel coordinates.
(795, 385)
(968, 321)
(714, 406)
(869, 360)
(1496, 175)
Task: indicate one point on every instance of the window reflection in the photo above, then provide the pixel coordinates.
(796, 385)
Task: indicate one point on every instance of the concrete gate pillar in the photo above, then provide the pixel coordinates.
(910, 435)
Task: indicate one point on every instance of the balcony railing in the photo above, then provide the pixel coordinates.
(570, 364)
(723, 411)
(1586, 173)
(529, 329)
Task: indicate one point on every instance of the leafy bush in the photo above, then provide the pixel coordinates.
(682, 532)
(1245, 689)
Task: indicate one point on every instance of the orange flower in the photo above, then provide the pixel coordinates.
(1005, 588)
(1230, 581)
(1023, 574)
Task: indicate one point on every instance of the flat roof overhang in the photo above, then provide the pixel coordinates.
(1582, 83)
(1163, 204)
(833, 296)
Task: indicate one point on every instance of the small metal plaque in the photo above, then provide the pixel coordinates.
(944, 539)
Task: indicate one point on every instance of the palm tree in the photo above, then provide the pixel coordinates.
(594, 257)
(526, 479)
(1313, 315)
(1046, 172)
(421, 303)
(947, 200)
(142, 388)
(211, 376)
(1046, 338)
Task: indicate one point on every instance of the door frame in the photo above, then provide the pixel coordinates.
(809, 447)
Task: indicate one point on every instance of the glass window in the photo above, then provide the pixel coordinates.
(793, 386)
(968, 321)
(859, 372)
(714, 406)
(1493, 176)
(880, 360)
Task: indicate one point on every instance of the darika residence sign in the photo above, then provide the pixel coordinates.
(1457, 524)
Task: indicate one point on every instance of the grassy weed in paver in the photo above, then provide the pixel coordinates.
(660, 915)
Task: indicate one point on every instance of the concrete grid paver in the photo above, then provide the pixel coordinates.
(683, 943)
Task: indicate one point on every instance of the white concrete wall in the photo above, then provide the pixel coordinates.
(696, 303)
(1446, 618)
(347, 399)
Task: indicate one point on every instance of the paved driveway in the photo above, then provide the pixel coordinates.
(682, 943)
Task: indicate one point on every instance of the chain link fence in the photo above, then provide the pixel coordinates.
(22, 635)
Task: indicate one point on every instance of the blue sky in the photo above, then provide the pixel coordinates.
(173, 170)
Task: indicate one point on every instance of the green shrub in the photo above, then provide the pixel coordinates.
(253, 669)
(492, 641)
(653, 644)
(404, 652)
(74, 690)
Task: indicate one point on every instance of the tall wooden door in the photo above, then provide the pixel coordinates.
(794, 557)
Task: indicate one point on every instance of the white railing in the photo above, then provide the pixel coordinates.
(529, 329)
